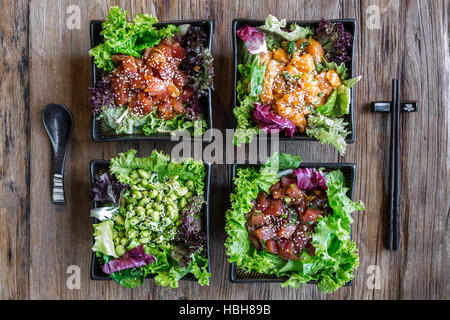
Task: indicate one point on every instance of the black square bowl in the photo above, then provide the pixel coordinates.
(97, 168)
(100, 133)
(238, 275)
(349, 25)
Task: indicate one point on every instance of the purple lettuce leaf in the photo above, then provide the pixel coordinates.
(335, 40)
(310, 179)
(190, 236)
(107, 188)
(199, 67)
(271, 122)
(133, 258)
(101, 95)
(255, 39)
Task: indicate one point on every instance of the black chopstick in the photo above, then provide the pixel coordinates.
(393, 234)
(397, 172)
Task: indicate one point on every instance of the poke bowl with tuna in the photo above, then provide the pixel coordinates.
(151, 80)
(290, 222)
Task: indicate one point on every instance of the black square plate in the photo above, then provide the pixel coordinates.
(349, 25)
(238, 275)
(102, 134)
(97, 168)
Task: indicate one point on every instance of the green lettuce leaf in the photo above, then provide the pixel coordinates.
(276, 26)
(103, 235)
(129, 38)
(248, 88)
(338, 104)
(328, 131)
(129, 278)
(341, 69)
(154, 125)
(328, 109)
(351, 82)
(168, 273)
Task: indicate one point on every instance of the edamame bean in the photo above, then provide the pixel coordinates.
(153, 194)
(132, 233)
(158, 207)
(133, 244)
(143, 202)
(183, 202)
(124, 241)
(173, 213)
(145, 234)
(120, 250)
(140, 210)
(170, 202)
(137, 195)
(181, 192)
(144, 174)
(134, 175)
(188, 195)
(117, 241)
(190, 185)
(134, 221)
(119, 219)
(172, 196)
(144, 240)
(155, 216)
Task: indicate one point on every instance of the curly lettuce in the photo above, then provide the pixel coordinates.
(336, 257)
(328, 131)
(295, 32)
(129, 38)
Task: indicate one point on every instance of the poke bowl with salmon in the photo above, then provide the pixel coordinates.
(294, 79)
(151, 80)
(291, 222)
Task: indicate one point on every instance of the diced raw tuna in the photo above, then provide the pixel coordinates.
(265, 233)
(272, 246)
(311, 216)
(287, 250)
(275, 208)
(287, 230)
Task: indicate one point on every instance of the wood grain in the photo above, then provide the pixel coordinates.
(43, 61)
(14, 151)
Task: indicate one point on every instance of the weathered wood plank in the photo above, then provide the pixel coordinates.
(14, 151)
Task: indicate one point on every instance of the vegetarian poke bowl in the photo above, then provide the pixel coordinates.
(294, 79)
(291, 222)
(151, 220)
(150, 80)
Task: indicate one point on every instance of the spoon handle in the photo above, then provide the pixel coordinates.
(58, 195)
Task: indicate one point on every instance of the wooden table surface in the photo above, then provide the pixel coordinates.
(43, 61)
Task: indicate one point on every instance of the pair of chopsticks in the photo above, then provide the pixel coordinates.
(393, 236)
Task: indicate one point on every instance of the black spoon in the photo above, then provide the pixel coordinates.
(58, 123)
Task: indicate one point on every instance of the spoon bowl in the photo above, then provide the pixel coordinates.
(58, 122)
